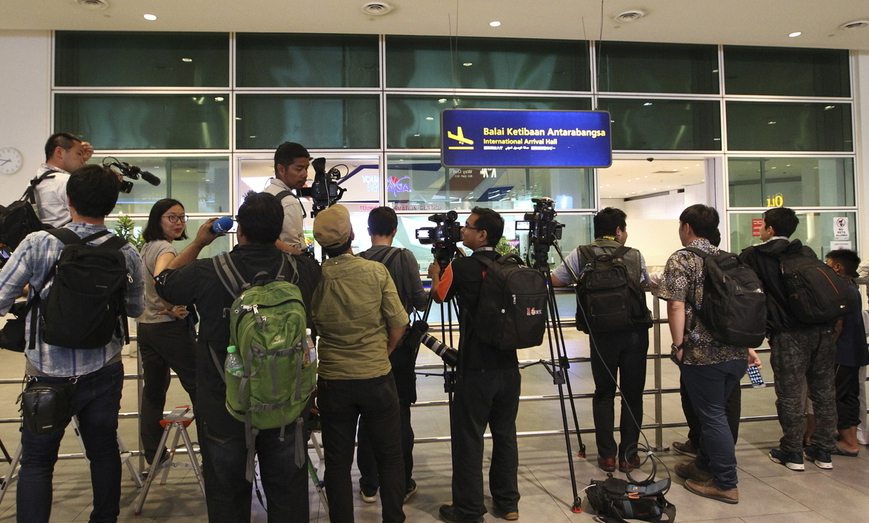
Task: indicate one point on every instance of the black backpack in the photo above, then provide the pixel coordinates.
(511, 311)
(85, 306)
(815, 292)
(607, 299)
(19, 218)
(616, 500)
(734, 304)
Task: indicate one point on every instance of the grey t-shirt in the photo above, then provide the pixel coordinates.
(153, 303)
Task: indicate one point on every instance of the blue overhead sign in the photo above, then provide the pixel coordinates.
(519, 138)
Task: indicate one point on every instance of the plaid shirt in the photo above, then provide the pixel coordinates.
(30, 263)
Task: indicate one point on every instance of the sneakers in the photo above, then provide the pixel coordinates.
(686, 449)
(448, 514)
(821, 458)
(708, 489)
(366, 497)
(411, 490)
(690, 470)
(791, 460)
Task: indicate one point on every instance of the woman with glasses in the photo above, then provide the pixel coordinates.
(165, 337)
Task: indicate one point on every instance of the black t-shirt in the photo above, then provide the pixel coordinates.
(477, 354)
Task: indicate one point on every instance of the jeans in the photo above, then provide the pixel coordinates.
(228, 493)
(96, 401)
(709, 387)
(485, 397)
(733, 411)
(369, 480)
(622, 355)
(342, 402)
(847, 396)
(163, 346)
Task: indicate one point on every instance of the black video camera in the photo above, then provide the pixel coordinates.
(325, 191)
(443, 237)
(541, 225)
(129, 171)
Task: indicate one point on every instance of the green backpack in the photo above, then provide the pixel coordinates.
(267, 325)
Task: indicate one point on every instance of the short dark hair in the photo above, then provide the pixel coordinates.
(382, 221)
(287, 152)
(154, 228)
(783, 220)
(491, 222)
(93, 191)
(848, 258)
(261, 217)
(703, 220)
(56, 140)
(607, 220)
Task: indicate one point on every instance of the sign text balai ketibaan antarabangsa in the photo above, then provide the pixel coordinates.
(524, 131)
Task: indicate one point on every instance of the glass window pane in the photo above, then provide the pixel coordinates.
(421, 183)
(792, 182)
(200, 184)
(658, 68)
(664, 124)
(487, 63)
(768, 126)
(221, 244)
(140, 121)
(815, 230)
(306, 60)
(786, 71)
(139, 59)
(322, 122)
(414, 122)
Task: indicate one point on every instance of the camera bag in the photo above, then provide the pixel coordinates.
(616, 500)
(19, 218)
(513, 299)
(12, 334)
(46, 406)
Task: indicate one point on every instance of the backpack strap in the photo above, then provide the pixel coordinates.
(228, 273)
(283, 194)
(385, 256)
(30, 193)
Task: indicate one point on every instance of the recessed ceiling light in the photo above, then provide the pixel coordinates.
(218, 98)
(495, 23)
(795, 34)
(150, 17)
(429, 118)
(468, 64)
(630, 16)
(442, 100)
(854, 24)
(829, 107)
(186, 60)
(771, 122)
(647, 104)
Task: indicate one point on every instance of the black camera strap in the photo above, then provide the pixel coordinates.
(287, 192)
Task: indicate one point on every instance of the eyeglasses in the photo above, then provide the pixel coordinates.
(466, 226)
(175, 218)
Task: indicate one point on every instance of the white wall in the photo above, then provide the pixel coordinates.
(861, 147)
(25, 95)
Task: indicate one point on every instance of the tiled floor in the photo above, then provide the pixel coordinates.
(769, 493)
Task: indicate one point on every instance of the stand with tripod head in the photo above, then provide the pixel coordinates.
(544, 232)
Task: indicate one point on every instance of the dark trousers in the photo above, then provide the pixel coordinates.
(622, 355)
(163, 346)
(847, 396)
(733, 411)
(798, 357)
(710, 386)
(228, 493)
(96, 401)
(369, 480)
(485, 397)
(342, 403)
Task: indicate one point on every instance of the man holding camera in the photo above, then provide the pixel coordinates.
(487, 386)
(404, 269)
(64, 153)
(360, 321)
(291, 172)
(222, 437)
(85, 382)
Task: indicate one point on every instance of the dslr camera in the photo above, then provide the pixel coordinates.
(133, 172)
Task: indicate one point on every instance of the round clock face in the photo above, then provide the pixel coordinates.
(10, 160)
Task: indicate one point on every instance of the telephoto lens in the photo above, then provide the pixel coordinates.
(446, 353)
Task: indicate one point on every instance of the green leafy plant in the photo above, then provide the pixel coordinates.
(504, 247)
(126, 229)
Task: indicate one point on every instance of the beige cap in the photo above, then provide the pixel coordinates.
(332, 226)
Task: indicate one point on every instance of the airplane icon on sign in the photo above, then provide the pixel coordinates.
(460, 137)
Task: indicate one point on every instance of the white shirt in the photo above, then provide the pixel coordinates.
(51, 201)
(292, 231)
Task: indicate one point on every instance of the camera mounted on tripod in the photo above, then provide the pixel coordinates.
(134, 172)
(443, 237)
(540, 223)
(325, 191)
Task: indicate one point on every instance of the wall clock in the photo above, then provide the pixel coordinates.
(11, 160)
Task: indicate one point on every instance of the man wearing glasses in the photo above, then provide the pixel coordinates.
(487, 387)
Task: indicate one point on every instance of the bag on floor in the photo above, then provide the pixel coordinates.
(616, 500)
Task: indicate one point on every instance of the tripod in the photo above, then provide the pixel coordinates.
(558, 362)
